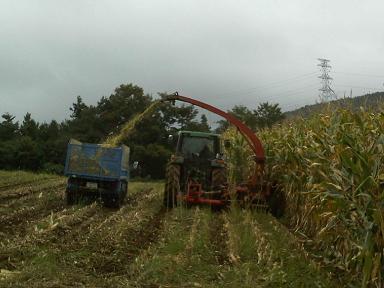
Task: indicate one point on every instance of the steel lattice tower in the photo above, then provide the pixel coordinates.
(326, 92)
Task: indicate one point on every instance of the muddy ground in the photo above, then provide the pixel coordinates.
(45, 243)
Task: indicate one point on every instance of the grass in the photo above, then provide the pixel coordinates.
(12, 178)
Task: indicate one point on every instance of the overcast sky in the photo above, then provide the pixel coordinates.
(222, 52)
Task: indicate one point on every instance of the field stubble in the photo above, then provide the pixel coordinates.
(142, 244)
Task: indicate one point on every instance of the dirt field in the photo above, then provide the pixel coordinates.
(44, 243)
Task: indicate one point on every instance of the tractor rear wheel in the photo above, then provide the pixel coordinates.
(172, 185)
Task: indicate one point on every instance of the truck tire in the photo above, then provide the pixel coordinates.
(124, 188)
(115, 201)
(112, 200)
(219, 177)
(172, 185)
(70, 198)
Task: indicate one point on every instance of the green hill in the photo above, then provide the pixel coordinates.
(372, 101)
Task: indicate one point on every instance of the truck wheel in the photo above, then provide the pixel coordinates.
(116, 201)
(124, 187)
(69, 197)
(219, 177)
(112, 200)
(172, 185)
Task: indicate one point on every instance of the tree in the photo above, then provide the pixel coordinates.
(8, 128)
(27, 153)
(201, 126)
(243, 114)
(177, 116)
(268, 114)
(152, 160)
(264, 116)
(78, 107)
(127, 101)
(29, 127)
(7, 155)
(204, 124)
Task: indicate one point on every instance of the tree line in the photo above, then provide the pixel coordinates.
(30, 145)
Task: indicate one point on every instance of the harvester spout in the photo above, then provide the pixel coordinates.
(248, 134)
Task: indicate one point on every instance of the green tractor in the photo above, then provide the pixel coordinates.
(196, 173)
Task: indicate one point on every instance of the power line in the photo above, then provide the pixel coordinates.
(268, 85)
(326, 92)
(280, 91)
(288, 95)
(358, 74)
(360, 87)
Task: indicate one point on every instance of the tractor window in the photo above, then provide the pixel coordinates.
(204, 147)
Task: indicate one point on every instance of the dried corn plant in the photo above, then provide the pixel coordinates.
(239, 155)
(332, 172)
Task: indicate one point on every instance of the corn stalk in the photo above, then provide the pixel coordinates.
(331, 170)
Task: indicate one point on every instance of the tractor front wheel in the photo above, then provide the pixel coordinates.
(172, 185)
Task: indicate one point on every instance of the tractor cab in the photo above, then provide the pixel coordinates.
(197, 173)
(198, 149)
(198, 145)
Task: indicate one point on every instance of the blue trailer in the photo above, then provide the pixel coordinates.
(97, 169)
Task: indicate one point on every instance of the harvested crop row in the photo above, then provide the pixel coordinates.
(43, 200)
(263, 253)
(16, 219)
(114, 243)
(81, 241)
(185, 257)
(52, 225)
(218, 239)
(46, 231)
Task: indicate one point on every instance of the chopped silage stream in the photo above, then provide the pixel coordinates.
(143, 245)
(129, 127)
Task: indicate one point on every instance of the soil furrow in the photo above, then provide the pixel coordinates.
(121, 238)
(218, 240)
(73, 227)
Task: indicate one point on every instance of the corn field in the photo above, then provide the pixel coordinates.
(331, 170)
